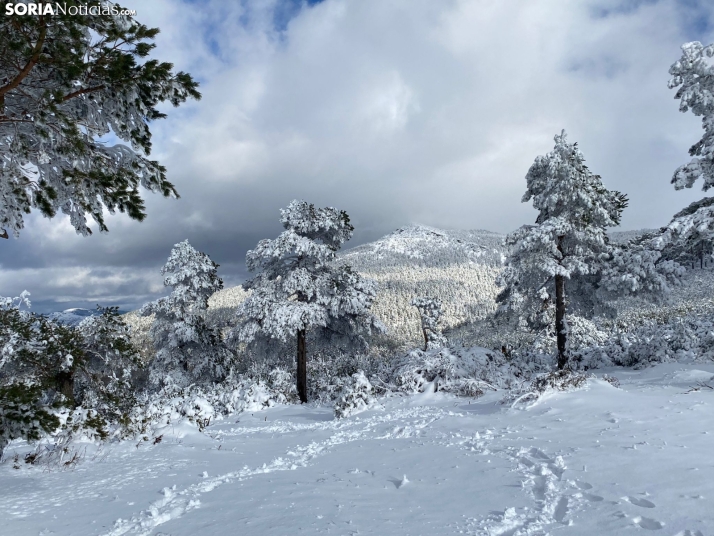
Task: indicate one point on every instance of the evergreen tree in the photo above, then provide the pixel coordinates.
(24, 411)
(187, 350)
(567, 243)
(430, 313)
(298, 287)
(693, 75)
(66, 81)
(690, 234)
(103, 381)
(45, 366)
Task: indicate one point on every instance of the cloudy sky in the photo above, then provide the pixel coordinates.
(398, 111)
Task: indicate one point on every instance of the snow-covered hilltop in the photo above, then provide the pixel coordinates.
(422, 245)
(459, 267)
(71, 317)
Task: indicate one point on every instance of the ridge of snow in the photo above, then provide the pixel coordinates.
(422, 243)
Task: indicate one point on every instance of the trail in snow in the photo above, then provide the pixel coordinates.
(590, 462)
(174, 503)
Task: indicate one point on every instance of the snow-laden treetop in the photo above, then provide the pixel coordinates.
(693, 75)
(297, 286)
(311, 240)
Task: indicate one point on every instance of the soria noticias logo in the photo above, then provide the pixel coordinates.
(57, 8)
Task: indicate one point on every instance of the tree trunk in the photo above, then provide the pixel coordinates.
(560, 320)
(426, 339)
(560, 313)
(64, 382)
(301, 366)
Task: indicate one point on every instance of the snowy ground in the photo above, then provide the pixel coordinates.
(596, 461)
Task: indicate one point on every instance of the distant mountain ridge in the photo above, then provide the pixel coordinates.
(458, 267)
(420, 244)
(71, 317)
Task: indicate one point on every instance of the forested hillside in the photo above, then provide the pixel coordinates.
(460, 268)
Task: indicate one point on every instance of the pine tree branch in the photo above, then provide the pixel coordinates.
(82, 92)
(36, 51)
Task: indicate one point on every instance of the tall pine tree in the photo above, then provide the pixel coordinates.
(556, 264)
(187, 350)
(298, 286)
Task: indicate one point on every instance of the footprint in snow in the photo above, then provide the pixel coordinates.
(583, 485)
(642, 503)
(689, 533)
(592, 498)
(561, 509)
(647, 523)
(537, 453)
(399, 482)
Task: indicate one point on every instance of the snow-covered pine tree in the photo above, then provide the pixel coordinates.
(693, 75)
(688, 238)
(187, 350)
(104, 377)
(566, 244)
(297, 286)
(45, 366)
(691, 231)
(642, 267)
(24, 411)
(66, 81)
(430, 314)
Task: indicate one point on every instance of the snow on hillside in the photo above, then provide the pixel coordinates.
(71, 317)
(458, 267)
(419, 244)
(622, 237)
(600, 460)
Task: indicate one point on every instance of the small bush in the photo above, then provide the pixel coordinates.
(357, 396)
(559, 380)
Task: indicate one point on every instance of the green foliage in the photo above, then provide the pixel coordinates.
(46, 366)
(23, 415)
(110, 363)
(65, 81)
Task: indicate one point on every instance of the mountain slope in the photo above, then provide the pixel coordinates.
(458, 267)
(71, 317)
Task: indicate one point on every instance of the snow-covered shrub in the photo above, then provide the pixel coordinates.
(57, 379)
(584, 333)
(187, 349)
(430, 314)
(200, 404)
(104, 379)
(559, 380)
(419, 368)
(357, 396)
(684, 339)
(461, 371)
(23, 414)
(37, 360)
(332, 368)
(282, 384)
